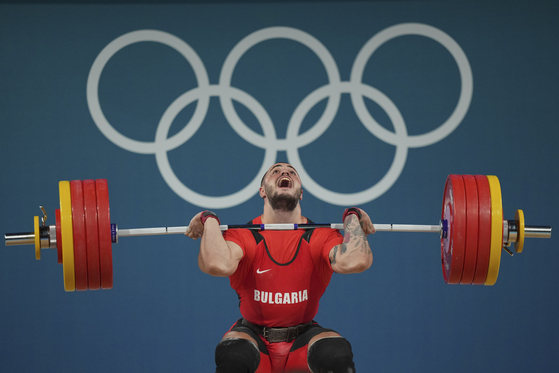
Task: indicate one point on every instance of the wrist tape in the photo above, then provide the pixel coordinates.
(351, 211)
(209, 214)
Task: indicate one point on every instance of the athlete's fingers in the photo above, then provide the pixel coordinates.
(195, 228)
(366, 224)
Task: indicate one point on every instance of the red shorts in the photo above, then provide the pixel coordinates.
(282, 357)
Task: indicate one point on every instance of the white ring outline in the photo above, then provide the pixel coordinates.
(293, 140)
(182, 190)
(466, 90)
(347, 199)
(273, 33)
(142, 147)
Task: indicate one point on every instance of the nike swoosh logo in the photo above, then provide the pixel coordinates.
(260, 272)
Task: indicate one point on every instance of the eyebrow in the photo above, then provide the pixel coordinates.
(279, 165)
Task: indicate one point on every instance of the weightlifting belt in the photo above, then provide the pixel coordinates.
(274, 335)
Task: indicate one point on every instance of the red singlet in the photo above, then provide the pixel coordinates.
(282, 274)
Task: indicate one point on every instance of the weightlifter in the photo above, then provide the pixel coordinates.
(279, 277)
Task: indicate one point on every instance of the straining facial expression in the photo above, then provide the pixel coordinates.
(281, 185)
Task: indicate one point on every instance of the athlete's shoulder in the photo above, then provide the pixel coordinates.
(328, 233)
(240, 236)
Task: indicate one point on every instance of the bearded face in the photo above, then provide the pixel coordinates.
(283, 201)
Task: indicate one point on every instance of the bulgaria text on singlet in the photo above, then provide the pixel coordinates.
(282, 274)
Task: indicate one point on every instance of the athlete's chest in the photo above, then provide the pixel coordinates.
(280, 247)
(282, 261)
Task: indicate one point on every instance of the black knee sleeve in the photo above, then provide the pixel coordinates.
(331, 355)
(236, 356)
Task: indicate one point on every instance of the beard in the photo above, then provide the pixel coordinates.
(283, 202)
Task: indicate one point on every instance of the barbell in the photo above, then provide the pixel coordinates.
(471, 229)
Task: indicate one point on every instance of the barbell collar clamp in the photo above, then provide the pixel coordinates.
(44, 217)
(506, 248)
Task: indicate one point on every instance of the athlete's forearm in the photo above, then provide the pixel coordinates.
(354, 255)
(216, 257)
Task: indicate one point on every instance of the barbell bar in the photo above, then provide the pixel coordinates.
(471, 229)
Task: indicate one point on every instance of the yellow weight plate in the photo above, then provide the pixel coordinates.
(519, 244)
(37, 238)
(496, 230)
(67, 236)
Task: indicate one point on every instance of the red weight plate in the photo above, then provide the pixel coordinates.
(484, 229)
(104, 229)
(58, 235)
(91, 234)
(78, 224)
(472, 236)
(454, 212)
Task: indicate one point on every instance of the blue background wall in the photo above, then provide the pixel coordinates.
(163, 313)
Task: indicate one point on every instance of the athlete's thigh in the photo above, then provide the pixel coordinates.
(297, 360)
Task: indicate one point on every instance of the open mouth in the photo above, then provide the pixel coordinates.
(284, 182)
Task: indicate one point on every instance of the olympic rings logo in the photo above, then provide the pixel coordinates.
(269, 141)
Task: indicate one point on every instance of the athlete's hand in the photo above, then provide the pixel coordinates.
(366, 223)
(196, 227)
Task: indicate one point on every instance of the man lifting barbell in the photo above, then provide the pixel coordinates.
(279, 277)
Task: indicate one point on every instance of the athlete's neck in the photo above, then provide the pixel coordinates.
(271, 216)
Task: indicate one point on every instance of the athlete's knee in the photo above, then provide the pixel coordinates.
(236, 355)
(331, 355)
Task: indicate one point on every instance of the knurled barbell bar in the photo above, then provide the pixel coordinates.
(472, 232)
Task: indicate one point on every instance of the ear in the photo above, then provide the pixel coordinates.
(262, 192)
(301, 197)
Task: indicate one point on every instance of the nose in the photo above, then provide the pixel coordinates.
(285, 172)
